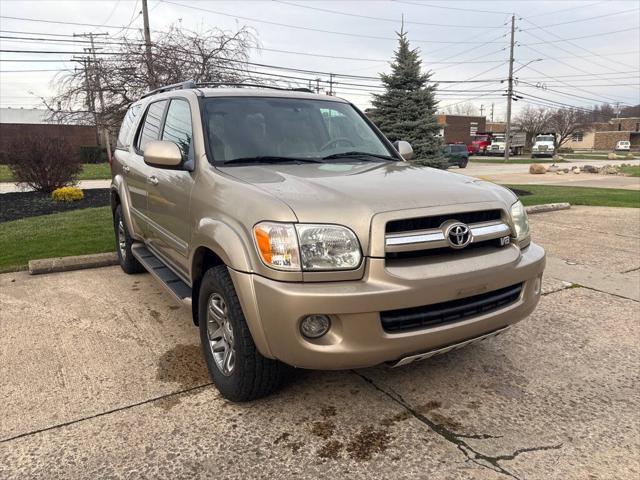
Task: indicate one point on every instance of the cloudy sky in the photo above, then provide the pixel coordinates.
(583, 52)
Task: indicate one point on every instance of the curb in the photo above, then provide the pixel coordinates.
(547, 207)
(66, 264)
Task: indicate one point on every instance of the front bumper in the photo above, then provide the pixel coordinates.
(356, 339)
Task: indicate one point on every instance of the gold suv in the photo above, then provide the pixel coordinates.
(302, 237)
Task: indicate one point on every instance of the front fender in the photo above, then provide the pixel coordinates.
(224, 241)
(118, 187)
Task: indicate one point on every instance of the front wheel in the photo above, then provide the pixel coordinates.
(127, 261)
(463, 163)
(235, 365)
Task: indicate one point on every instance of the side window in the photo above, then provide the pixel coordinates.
(177, 126)
(152, 122)
(128, 122)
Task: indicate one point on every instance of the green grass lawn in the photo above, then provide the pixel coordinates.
(600, 197)
(632, 171)
(513, 160)
(90, 171)
(78, 232)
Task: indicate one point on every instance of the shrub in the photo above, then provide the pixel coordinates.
(67, 194)
(93, 154)
(565, 150)
(43, 163)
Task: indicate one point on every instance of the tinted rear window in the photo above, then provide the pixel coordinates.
(151, 128)
(458, 148)
(129, 121)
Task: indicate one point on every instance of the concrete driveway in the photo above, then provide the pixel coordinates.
(102, 377)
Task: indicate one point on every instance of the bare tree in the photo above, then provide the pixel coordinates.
(216, 56)
(466, 108)
(533, 121)
(565, 122)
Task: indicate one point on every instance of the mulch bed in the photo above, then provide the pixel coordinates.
(14, 206)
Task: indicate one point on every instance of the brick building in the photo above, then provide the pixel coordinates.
(32, 122)
(496, 127)
(605, 135)
(460, 128)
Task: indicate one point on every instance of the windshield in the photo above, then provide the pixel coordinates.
(545, 139)
(458, 148)
(258, 128)
(498, 139)
(481, 138)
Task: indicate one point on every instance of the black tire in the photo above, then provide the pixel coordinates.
(463, 163)
(128, 262)
(252, 375)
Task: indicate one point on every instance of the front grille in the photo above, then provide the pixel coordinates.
(396, 321)
(486, 247)
(426, 223)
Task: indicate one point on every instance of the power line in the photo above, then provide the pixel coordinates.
(58, 22)
(311, 29)
(430, 5)
(575, 45)
(572, 8)
(392, 20)
(582, 19)
(558, 92)
(579, 38)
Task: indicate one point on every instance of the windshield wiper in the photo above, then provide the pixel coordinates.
(359, 156)
(270, 159)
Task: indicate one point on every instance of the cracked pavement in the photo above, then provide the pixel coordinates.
(102, 377)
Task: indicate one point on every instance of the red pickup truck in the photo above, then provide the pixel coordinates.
(480, 144)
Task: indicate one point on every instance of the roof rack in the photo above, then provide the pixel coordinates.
(192, 84)
(254, 85)
(173, 86)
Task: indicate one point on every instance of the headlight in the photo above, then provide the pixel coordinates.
(520, 221)
(535, 148)
(308, 247)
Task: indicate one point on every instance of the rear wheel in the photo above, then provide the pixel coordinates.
(128, 262)
(235, 365)
(463, 163)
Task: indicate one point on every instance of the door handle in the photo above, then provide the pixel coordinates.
(125, 169)
(153, 180)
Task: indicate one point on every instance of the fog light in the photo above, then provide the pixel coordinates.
(314, 326)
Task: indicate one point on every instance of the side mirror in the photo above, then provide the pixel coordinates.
(404, 149)
(162, 154)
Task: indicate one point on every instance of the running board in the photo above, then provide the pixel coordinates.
(156, 267)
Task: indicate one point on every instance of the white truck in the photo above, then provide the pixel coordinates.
(544, 145)
(498, 143)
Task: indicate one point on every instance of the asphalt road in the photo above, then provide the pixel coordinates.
(102, 377)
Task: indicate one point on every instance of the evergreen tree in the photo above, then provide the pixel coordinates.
(406, 110)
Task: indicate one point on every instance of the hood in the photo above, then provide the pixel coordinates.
(351, 193)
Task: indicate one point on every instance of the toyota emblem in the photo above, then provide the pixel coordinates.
(458, 235)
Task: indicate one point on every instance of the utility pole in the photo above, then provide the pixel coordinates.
(317, 85)
(507, 145)
(100, 121)
(492, 112)
(91, 104)
(481, 109)
(147, 46)
(331, 84)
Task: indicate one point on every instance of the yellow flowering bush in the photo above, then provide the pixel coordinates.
(67, 194)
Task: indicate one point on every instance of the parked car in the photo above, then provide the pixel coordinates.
(457, 154)
(623, 146)
(301, 237)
